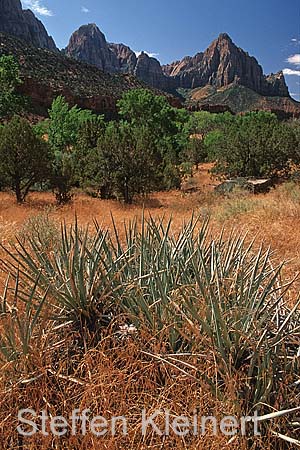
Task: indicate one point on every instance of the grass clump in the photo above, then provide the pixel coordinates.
(199, 311)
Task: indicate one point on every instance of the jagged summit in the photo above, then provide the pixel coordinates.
(224, 37)
(88, 44)
(24, 25)
(220, 65)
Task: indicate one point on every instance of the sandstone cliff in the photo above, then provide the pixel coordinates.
(45, 75)
(126, 57)
(88, 44)
(221, 67)
(222, 64)
(24, 25)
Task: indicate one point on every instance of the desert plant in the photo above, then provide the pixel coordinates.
(20, 315)
(24, 158)
(41, 229)
(217, 305)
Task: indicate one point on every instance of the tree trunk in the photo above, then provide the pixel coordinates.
(127, 197)
(18, 192)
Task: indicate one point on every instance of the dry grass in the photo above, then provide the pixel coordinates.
(274, 218)
(116, 378)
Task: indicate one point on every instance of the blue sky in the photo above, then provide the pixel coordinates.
(267, 29)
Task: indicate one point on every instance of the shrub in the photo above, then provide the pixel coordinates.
(254, 145)
(10, 101)
(215, 309)
(24, 158)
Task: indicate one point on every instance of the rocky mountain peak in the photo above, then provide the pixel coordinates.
(126, 57)
(24, 25)
(88, 44)
(222, 64)
(224, 37)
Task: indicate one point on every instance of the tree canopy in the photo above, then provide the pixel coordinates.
(24, 157)
(10, 101)
(253, 145)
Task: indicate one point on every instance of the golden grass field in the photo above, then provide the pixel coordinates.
(119, 379)
(272, 218)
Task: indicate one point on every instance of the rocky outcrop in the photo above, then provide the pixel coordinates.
(23, 24)
(240, 99)
(45, 75)
(222, 64)
(88, 44)
(149, 70)
(276, 85)
(127, 58)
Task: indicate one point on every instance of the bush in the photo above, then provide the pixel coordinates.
(24, 158)
(215, 309)
(124, 164)
(10, 101)
(254, 145)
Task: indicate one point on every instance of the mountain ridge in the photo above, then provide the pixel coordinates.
(24, 25)
(46, 74)
(222, 65)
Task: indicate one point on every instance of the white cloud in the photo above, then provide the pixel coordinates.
(85, 10)
(151, 54)
(294, 59)
(295, 42)
(291, 72)
(37, 7)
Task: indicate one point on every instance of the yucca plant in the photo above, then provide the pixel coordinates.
(238, 302)
(20, 318)
(219, 302)
(93, 277)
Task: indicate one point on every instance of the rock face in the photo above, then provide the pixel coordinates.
(149, 70)
(24, 25)
(276, 85)
(45, 75)
(144, 67)
(127, 59)
(89, 45)
(222, 64)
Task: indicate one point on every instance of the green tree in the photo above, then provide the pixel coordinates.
(24, 157)
(89, 134)
(142, 108)
(124, 163)
(195, 151)
(197, 126)
(63, 130)
(254, 145)
(295, 127)
(10, 101)
(203, 122)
